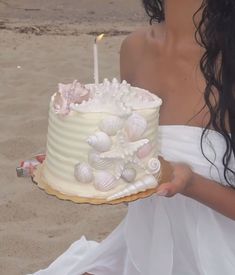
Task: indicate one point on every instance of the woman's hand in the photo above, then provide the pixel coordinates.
(181, 179)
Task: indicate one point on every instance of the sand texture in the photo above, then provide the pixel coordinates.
(43, 43)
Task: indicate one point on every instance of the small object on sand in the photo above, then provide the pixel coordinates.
(26, 168)
(40, 157)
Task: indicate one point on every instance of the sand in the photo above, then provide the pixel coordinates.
(42, 44)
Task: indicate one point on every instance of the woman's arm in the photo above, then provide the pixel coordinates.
(211, 193)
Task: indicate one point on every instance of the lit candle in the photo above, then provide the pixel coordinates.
(96, 67)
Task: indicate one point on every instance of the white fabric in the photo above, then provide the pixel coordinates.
(164, 236)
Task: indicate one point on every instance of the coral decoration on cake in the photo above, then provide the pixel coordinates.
(116, 99)
(68, 94)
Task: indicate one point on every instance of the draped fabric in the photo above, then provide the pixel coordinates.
(164, 236)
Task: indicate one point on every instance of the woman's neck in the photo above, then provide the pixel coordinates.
(179, 22)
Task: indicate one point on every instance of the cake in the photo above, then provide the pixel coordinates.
(102, 140)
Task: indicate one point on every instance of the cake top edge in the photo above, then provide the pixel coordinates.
(109, 96)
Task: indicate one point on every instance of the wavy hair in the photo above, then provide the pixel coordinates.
(216, 34)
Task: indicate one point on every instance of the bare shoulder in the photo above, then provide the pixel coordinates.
(132, 49)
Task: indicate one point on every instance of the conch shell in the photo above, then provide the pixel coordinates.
(104, 181)
(100, 141)
(147, 182)
(135, 126)
(111, 124)
(83, 172)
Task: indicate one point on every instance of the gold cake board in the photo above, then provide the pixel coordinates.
(42, 184)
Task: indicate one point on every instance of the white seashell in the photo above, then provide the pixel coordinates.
(126, 150)
(83, 172)
(97, 162)
(147, 182)
(154, 166)
(144, 150)
(104, 181)
(119, 167)
(111, 124)
(129, 174)
(100, 141)
(135, 126)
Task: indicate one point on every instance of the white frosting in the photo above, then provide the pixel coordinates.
(73, 138)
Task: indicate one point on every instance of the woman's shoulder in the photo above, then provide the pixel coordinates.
(132, 50)
(135, 40)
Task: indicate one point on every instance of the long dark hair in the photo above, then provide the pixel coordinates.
(216, 33)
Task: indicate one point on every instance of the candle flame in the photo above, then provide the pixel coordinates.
(99, 37)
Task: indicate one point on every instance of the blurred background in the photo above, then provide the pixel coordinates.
(43, 43)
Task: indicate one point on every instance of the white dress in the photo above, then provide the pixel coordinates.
(164, 236)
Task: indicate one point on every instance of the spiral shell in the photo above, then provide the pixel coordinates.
(97, 162)
(135, 126)
(83, 172)
(104, 181)
(147, 182)
(144, 151)
(111, 124)
(129, 174)
(154, 166)
(100, 141)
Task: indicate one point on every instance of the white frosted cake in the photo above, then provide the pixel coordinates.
(102, 140)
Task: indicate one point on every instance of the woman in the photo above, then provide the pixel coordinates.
(188, 59)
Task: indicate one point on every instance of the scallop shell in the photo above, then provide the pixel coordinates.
(147, 182)
(154, 166)
(129, 174)
(100, 141)
(135, 126)
(144, 151)
(111, 124)
(104, 181)
(83, 172)
(97, 162)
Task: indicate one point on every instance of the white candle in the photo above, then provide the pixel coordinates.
(96, 70)
(96, 66)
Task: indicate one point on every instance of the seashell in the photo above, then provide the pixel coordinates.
(111, 124)
(135, 126)
(154, 165)
(147, 182)
(83, 172)
(60, 104)
(129, 174)
(100, 141)
(144, 150)
(126, 150)
(119, 167)
(104, 181)
(97, 162)
(79, 93)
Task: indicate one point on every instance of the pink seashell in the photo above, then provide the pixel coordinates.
(67, 94)
(144, 151)
(135, 126)
(79, 93)
(60, 104)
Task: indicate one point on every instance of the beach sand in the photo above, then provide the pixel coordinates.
(42, 44)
